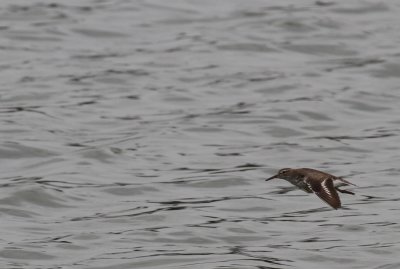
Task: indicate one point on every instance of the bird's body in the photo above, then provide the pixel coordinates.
(324, 185)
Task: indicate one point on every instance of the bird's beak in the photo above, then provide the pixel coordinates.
(271, 177)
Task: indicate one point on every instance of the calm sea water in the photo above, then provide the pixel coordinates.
(137, 134)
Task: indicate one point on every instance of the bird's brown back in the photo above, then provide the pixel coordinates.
(312, 173)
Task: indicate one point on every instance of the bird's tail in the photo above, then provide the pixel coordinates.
(345, 181)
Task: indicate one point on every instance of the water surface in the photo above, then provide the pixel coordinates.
(137, 134)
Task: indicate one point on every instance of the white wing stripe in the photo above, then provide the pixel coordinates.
(327, 190)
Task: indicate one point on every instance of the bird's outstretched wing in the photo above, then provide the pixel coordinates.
(326, 191)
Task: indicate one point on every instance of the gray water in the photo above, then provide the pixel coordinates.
(137, 134)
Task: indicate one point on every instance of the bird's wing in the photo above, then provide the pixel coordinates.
(326, 191)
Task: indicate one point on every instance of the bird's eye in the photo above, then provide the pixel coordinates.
(283, 171)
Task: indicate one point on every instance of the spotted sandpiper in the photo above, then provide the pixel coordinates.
(324, 185)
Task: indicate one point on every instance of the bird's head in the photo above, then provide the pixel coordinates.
(283, 174)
